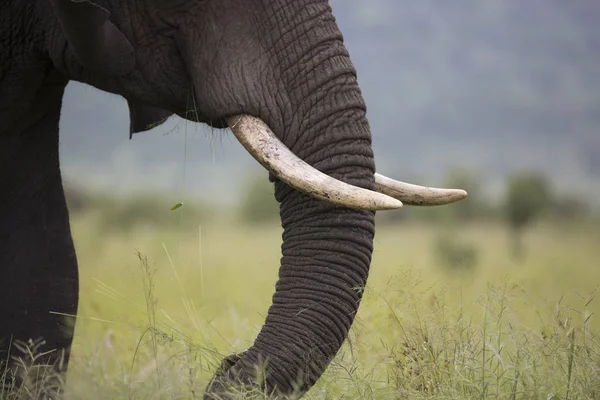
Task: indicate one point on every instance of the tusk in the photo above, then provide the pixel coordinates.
(272, 154)
(417, 195)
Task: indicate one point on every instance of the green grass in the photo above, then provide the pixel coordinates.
(160, 308)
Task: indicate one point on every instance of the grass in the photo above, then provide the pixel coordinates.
(161, 308)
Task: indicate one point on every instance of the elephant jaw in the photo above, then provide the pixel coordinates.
(260, 141)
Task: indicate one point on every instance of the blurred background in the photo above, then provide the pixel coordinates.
(499, 97)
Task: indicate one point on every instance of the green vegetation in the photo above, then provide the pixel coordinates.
(447, 313)
(155, 324)
(528, 195)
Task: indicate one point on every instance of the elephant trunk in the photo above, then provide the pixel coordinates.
(326, 257)
(326, 248)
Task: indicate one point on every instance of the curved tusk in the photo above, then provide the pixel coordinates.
(272, 154)
(417, 195)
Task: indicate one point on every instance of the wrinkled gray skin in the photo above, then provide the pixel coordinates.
(281, 60)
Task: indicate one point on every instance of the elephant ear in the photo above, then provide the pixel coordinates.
(143, 117)
(96, 42)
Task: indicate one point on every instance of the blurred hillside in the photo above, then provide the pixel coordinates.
(491, 86)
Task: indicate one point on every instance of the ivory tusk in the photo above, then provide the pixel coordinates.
(417, 195)
(271, 153)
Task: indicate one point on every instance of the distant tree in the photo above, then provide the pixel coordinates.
(528, 194)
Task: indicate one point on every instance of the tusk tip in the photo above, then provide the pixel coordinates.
(459, 194)
(452, 196)
(388, 203)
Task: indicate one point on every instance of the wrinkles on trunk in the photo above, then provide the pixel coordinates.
(324, 268)
(326, 249)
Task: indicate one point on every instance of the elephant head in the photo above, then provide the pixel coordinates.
(277, 73)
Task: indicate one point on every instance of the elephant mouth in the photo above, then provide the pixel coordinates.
(260, 141)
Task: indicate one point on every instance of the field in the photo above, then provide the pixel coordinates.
(161, 307)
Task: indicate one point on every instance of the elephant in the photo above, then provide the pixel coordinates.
(275, 72)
